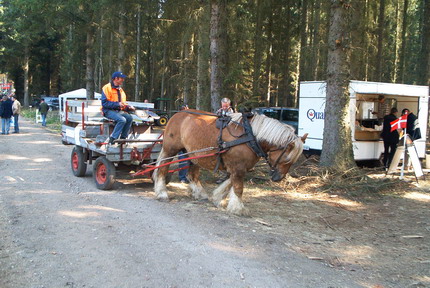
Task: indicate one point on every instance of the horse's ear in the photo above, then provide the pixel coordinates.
(304, 137)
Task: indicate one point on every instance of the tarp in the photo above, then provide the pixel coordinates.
(80, 93)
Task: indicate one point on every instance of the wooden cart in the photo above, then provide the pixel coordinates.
(87, 129)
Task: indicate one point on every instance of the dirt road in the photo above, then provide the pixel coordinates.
(57, 230)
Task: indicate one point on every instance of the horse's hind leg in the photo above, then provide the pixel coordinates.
(195, 187)
(235, 204)
(221, 192)
(159, 177)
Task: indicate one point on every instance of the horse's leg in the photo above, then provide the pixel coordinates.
(195, 186)
(235, 204)
(159, 177)
(221, 192)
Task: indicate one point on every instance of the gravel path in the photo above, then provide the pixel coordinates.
(57, 230)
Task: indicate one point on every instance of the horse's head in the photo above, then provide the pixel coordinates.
(282, 158)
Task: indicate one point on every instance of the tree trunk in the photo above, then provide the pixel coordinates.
(137, 95)
(258, 50)
(424, 64)
(337, 144)
(25, 67)
(358, 40)
(287, 98)
(401, 77)
(90, 62)
(316, 39)
(203, 96)
(101, 70)
(188, 55)
(111, 54)
(163, 73)
(379, 56)
(303, 39)
(218, 35)
(268, 74)
(121, 39)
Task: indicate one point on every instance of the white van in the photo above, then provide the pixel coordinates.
(366, 110)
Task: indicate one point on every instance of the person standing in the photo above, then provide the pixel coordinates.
(391, 138)
(16, 110)
(5, 114)
(114, 107)
(412, 127)
(183, 173)
(43, 109)
(224, 111)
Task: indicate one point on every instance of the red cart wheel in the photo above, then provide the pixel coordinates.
(104, 173)
(78, 162)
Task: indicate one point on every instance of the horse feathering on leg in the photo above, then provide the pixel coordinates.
(193, 132)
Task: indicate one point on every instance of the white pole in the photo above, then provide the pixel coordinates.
(404, 155)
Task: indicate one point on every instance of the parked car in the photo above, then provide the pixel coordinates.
(53, 102)
(286, 115)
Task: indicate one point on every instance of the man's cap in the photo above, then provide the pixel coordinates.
(118, 74)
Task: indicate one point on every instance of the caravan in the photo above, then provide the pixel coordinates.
(369, 103)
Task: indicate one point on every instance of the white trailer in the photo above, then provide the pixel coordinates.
(369, 101)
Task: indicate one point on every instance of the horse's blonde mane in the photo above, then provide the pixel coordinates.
(274, 133)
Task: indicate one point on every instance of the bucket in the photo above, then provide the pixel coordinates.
(427, 161)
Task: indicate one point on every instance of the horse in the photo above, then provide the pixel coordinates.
(195, 131)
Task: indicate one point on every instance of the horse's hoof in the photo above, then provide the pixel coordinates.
(242, 212)
(220, 204)
(163, 197)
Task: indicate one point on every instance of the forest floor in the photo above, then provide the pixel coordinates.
(365, 221)
(310, 230)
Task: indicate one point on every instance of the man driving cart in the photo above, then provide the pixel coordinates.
(115, 107)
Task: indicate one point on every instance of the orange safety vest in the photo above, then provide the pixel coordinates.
(111, 93)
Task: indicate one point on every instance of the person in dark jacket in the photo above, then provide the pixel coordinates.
(115, 107)
(390, 138)
(412, 128)
(5, 114)
(43, 109)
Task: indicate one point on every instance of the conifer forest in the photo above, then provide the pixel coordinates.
(252, 51)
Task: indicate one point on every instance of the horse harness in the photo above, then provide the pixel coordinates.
(247, 137)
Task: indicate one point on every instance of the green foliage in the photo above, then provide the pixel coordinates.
(266, 31)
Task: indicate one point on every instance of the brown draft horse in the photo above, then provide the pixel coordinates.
(192, 132)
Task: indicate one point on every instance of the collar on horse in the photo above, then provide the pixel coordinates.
(247, 137)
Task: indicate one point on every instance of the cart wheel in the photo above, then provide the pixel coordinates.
(103, 173)
(163, 120)
(78, 162)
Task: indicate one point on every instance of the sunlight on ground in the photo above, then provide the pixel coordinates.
(79, 214)
(100, 208)
(38, 142)
(323, 197)
(12, 157)
(10, 179)
(178, 185)
(248, 252)
(366, 255)
(42, 191)
(99, 193)
(417, 196)
(38, 160)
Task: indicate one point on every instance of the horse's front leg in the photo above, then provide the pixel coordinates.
(195, 187)
(159, 178)
(235, 204)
